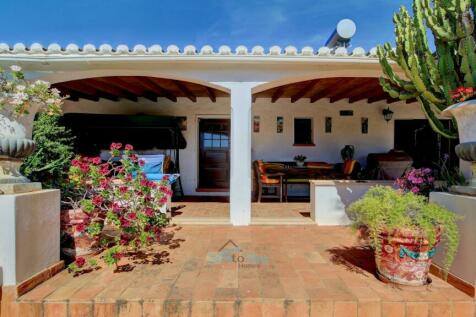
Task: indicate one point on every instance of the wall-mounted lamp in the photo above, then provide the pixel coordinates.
(387, 114)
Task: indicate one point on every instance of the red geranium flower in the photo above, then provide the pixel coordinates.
(149, 212)
(75, 162)
(80, 262)
(84, 167)
(132, 216)
(96, 160)
(123, 189)
(97, 200)
(80, 227)
(129, 147)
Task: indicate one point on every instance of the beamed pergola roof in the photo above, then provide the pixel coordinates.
(337, 88)
(132, 87)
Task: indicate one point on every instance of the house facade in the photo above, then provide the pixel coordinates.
(259, 98)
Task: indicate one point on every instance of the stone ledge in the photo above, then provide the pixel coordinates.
(19, 188)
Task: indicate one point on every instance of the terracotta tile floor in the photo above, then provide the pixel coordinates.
(262, 271)
(218, 212)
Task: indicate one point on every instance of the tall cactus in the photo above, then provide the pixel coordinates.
(430, 76)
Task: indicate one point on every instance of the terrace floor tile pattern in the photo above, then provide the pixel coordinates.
(244, 271)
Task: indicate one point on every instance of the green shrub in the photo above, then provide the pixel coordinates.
(53, 153)
(384, 209)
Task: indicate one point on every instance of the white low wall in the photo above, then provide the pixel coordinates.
(29, 234)
(464, 265)
(330, 199)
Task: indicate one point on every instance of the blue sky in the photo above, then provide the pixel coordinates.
(214, 22)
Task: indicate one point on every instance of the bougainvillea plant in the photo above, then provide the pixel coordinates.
(462, 93)
(116, 193)
(417, 180)
(18, 94)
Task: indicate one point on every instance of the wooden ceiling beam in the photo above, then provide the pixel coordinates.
(309, 86)
(278, 93)
(365, 92)
(82, 87)
(128, 86)
(152, 85)
(184, 89)
(111, 89)
(75, 95)
(327, 87)
(211, 94)
(344, 90)
(392, 100)
(380, 97)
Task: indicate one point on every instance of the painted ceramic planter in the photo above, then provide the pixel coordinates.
(75, 242)
(405, 258)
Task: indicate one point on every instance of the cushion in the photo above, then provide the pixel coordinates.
(298, 180)
(262, 171)
(159, 176)
(153, 163)
(268, 180)
(348, 167)
(319, 165)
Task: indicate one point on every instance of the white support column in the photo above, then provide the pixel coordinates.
(240, 152)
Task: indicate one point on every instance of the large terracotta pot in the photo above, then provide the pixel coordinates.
(76, 242)
(405, 258)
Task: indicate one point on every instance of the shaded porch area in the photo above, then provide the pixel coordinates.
(243, 271)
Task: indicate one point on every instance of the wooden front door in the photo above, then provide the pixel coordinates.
(214, 161)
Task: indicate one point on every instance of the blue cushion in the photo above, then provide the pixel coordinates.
(160, 176)
(153, 164)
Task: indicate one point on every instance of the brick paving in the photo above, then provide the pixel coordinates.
(263, 271)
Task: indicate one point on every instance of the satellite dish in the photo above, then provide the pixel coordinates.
(341, 36)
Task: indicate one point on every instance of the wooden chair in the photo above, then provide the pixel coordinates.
(268, 180)
(345, 170)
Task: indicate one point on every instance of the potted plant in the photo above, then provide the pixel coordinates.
(403, 229)
(299, 159)
(347, 152)
(116, 195)
(19, 101)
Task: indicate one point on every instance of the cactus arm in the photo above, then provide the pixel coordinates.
(435, 123)
(396, 92)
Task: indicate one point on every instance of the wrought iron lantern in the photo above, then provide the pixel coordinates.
(387, 114)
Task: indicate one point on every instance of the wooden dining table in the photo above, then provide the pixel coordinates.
(300, 173)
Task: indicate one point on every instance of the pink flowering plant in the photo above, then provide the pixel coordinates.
(417, 180)
(117, 194)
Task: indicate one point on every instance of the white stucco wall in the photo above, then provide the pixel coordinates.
(29, 234)
(268, 144)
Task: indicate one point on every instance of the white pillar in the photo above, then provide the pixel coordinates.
(240, 153)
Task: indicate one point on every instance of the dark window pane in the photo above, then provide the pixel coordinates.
(303, 131)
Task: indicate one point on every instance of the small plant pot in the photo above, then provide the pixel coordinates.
(300, 163)
(74, 242)
(405, 258)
